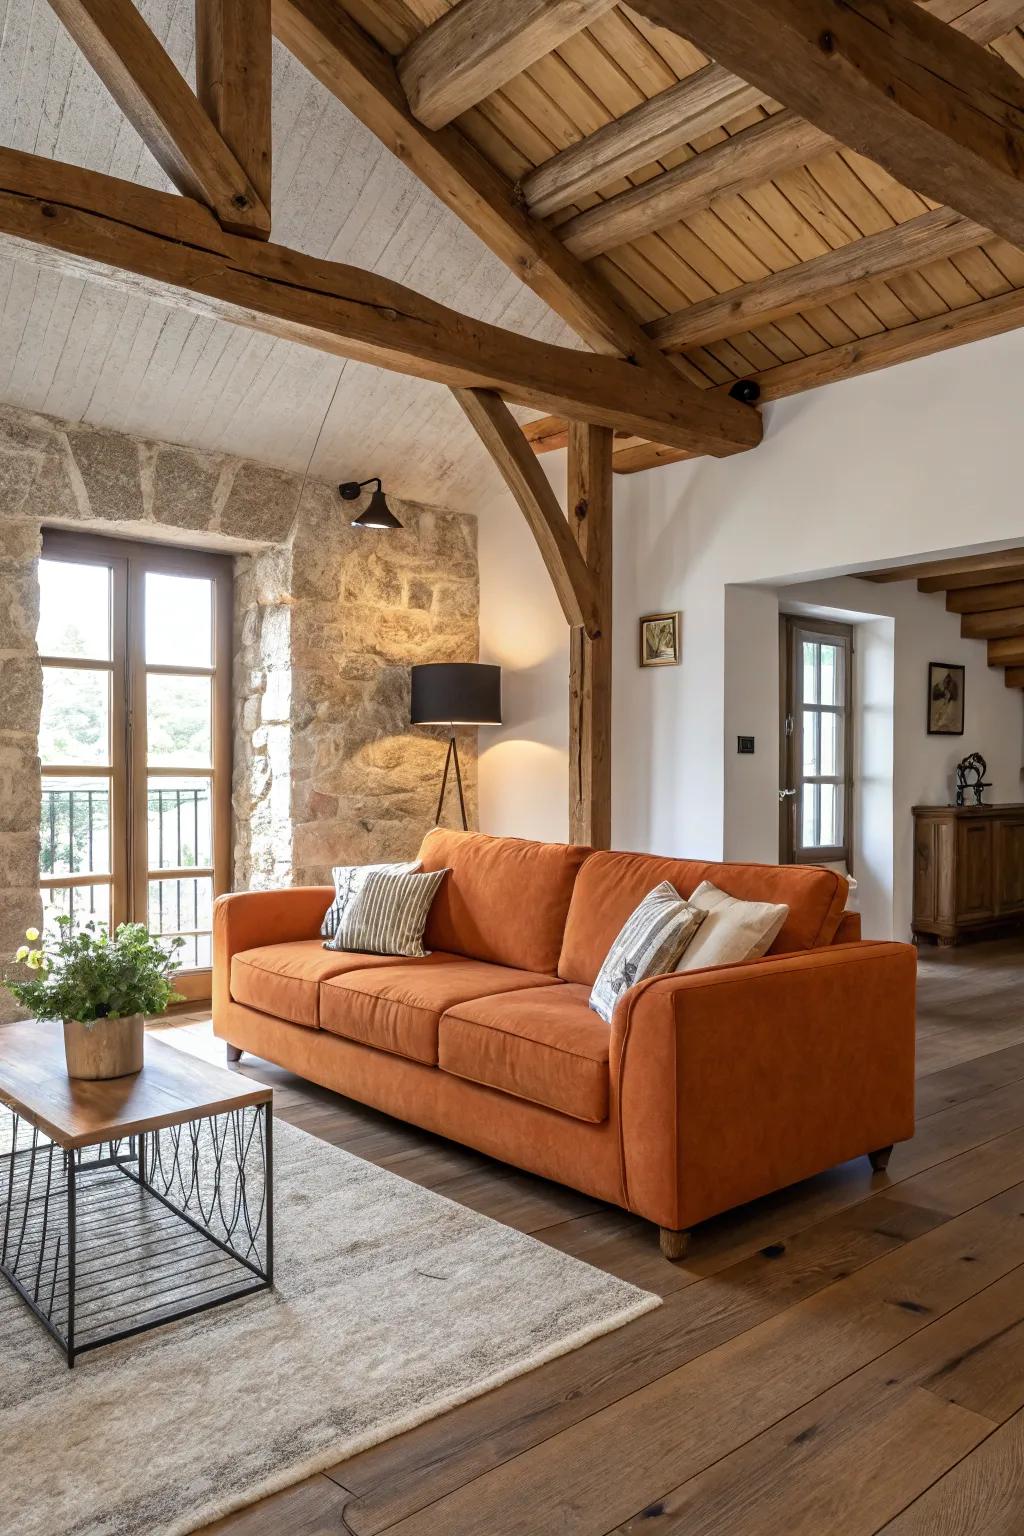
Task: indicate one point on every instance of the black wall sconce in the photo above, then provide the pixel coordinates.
(378, 514)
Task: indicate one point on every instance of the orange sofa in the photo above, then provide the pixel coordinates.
(708, 1089)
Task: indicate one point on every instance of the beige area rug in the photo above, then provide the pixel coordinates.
(392, 1305)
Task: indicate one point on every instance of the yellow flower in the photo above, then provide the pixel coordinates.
(22, 953)
(34, 959)
(31, 934)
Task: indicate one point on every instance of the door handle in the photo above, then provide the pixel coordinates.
(785, 793)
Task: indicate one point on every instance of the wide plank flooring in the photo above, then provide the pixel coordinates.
(844, 1358)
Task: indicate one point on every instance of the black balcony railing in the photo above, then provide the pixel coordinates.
(75, 831)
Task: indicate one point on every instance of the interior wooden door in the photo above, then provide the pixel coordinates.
(136, 739)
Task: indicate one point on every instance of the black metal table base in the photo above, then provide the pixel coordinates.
(115, 1239)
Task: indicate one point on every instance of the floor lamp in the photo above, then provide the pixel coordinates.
(451, 694)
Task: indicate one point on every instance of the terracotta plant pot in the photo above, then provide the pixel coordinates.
(105, 1048)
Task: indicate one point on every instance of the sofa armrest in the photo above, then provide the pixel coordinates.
(742, 1079)
(245, 919)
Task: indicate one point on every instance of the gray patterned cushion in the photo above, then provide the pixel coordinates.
(649, 944)
(389, 914)
(348, 882)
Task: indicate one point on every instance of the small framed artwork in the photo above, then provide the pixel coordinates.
(659, 640)
(945, 699)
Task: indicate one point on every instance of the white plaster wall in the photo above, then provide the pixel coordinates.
(921, 459)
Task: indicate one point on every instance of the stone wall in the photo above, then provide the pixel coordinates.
(327, 621)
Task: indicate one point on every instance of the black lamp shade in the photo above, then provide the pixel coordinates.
(377, 515)
(456, 693)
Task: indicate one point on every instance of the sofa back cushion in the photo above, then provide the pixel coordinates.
(505, 899)
(610, 885)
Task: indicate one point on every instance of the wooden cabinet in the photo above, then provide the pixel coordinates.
(968, 869)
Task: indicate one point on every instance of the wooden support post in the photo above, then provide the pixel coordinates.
(234, 79)
(590, 675)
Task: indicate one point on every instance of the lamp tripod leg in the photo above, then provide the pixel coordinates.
(458, 780)
(444, 783)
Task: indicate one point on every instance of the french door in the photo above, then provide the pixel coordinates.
(816, 770)
(135, 738)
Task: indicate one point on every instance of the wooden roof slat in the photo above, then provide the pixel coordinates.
(478, 46)
(987, 598)
(955, 571)
(998, 624)
(941, 113)
(828, 277)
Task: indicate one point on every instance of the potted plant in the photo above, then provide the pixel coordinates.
(101, 986)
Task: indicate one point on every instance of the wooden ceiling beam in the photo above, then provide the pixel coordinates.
(157, 101)
(79, 221)
(589, 503)
(986, 599)
(669, 121)
(479, 45)
(234, 81)
(1006, 653)
(954, 570)
(1014, 677)
(1001, 624)
(517, 464)
(886, 78)
(931, 236)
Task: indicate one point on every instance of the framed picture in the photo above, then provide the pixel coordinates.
(945, 699)
(659, 640)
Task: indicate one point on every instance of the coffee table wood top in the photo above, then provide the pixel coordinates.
(171, 1088)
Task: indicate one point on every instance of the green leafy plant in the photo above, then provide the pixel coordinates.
(89, 974)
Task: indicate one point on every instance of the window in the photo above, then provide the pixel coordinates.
(815, 792)
(135, 738)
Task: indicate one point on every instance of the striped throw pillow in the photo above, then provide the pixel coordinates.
(389, 914)
(348, 882)
(650, 942)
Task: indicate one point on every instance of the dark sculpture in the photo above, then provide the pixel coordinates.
(970, 774)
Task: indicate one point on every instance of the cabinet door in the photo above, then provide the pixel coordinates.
(975, 893)
(1010, 865)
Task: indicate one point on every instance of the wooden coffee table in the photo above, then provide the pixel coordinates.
(129, 1203)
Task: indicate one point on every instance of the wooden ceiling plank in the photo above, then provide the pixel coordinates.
(1011, 569)
(479, 45)
(986, 599)
(940, 232)
(1014, 677)
(1003, 653)
(157, 101)
(945, 573)
(759, 154)
(363, 77)
(670, 120)
(939, 112)
(234, 81)
(81, 224)
(1000, 624)
(517, 464)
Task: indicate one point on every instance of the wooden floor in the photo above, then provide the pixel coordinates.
(841, 1359)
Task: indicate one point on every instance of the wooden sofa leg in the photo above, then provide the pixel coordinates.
(880, 1160)
(234, 1052)
(673, 1244)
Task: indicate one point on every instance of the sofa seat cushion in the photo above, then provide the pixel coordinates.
(505, 899)
(284, 979)
(611, 885)
(542, 1044)
(397, 1006)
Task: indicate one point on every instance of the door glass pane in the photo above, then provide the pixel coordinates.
(810, 806)
(830, 833)
(82, 903)
(74, 610)
(831, 674)
(810, 653)
(183, 907)
(75, 724)
(179, 620)
(831, 727)
(75, 827)
(179, 824)
(812, 748)
(178, 720)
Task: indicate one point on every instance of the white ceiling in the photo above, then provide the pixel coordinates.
(78, 350)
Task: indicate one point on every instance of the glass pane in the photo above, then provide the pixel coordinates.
(179, 824)
(810, 650)
(183, 907)
(75, 724)
(831, 832)
(810, 812)
(179, 621)
(75, 827)
(831, 727)
(831, 674)
(178, 720)
(74, 610)
(812, 745)
(82, 903)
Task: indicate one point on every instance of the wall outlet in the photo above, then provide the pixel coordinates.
(744, 744)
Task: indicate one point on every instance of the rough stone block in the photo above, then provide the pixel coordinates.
(184, 487)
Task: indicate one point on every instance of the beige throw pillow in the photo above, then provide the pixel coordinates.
(732, 930)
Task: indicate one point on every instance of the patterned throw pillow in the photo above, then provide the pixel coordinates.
(651, 941)
(348, 882)
(389, 914)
